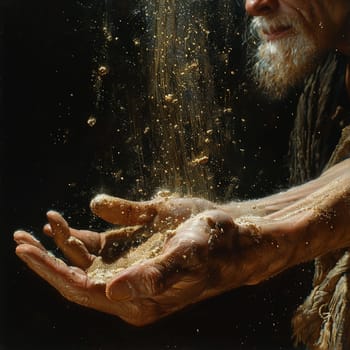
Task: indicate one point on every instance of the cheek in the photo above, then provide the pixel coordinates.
(303, 10)
(326, 17)
(314, 18)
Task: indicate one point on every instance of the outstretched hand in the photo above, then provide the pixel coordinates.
(206, 249)
(187, 269)
(204, 253)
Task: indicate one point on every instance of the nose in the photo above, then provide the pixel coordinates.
(261, 7)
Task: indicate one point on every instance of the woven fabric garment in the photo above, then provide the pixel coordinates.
(320, 139)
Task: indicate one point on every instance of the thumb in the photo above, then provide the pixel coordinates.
(141, 282)
(158, 275)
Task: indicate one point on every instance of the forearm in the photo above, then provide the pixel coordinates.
(311, 227)
(288, 228)
(283, 200)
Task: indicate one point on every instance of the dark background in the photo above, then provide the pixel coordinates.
(52, 159)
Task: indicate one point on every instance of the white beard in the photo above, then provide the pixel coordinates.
(283, 63)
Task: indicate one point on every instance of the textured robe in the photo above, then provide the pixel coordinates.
(320, 139)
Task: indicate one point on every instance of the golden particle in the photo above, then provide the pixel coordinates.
(200, 160)
(103, 70)
(91, 121)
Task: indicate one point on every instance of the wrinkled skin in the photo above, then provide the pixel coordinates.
(212, 250)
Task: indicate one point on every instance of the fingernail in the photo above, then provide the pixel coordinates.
(100, 199)
(47, 227)
(120, 291)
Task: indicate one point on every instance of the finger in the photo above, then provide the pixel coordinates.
(92, 240)
(22, 237)
(71, 283)
(72, 247)
(122, 212)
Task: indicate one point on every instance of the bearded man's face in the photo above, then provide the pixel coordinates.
(293, 35)
(284, 62)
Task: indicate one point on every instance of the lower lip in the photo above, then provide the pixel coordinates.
(278, 34)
